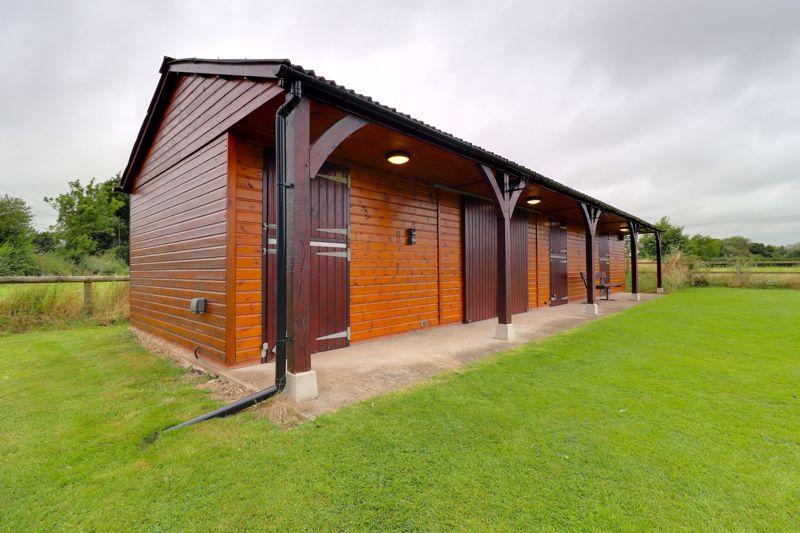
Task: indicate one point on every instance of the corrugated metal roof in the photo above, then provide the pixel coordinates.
(356, 103)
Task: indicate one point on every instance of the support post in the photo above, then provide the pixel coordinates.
(633, 228)
(298, 268)
(659, 285)
(505, 197)
(87, 298)
(591, 215)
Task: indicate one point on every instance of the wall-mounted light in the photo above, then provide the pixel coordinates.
(411, 236)
(398, 158)
(533, 200)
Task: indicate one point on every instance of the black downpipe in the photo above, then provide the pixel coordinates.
(295, 95)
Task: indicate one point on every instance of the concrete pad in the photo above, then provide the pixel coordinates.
(659, 290)
(373, 367)
(636, 296)
(504, 332)
(591, 309)
(301, 387)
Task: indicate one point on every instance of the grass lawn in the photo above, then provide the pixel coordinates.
(680, 413)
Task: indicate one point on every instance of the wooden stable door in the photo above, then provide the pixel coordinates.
(330, 259)
(480, 260)
(559, 290)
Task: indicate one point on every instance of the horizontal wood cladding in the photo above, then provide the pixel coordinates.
(533, 263)
(200, 110)
(542, 261)
(394, 286)
(247, 163)
(178, 251)
(619, 262)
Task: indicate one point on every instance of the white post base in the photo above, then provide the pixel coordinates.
(504, 332)
(660, 290)
(635, 297)
(591, 309)
(301, 387)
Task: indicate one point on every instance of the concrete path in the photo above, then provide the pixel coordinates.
(373, 367)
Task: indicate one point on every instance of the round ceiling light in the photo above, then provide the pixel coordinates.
(624, 229)
(533, 200)
(398, 158)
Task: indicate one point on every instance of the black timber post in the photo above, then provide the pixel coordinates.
(659, 284)
(590, 215)
(633, 228)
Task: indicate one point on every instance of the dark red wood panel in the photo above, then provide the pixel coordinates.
(330, 299)
(519, 262)
(559, 290)
(480, 260)
(604, 256)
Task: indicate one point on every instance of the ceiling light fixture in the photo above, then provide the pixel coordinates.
(398, 158)
(533, 200)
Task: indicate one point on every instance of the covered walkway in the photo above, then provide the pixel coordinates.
(374, 367)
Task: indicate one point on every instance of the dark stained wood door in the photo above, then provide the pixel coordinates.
(605, 256)
(480, 260)
(559, 290)
(330, 259)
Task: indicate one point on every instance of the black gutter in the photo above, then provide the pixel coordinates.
(295, 95)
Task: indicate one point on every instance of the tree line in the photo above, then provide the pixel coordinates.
(90, 236)
(674, 239)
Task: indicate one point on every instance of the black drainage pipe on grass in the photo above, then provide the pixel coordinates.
(295, 95)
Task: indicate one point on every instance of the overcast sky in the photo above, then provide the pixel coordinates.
(685, 109)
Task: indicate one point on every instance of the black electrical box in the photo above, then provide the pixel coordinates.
(411, 236)
(198, 305)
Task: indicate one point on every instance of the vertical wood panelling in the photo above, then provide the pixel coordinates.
(450, 269)
(480, 259)
(519, 262)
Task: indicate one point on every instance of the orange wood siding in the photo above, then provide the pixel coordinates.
(533, 264)
(246, 183)
(451, 297)
(178, 239)
(393, 285)
(543, 260)
(619, 262)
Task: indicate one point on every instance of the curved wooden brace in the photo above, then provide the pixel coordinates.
(333, 137)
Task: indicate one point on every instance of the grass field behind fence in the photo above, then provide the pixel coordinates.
(678, 414)
(51, 305)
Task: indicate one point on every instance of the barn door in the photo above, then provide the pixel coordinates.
(519, 263)
(330, 259)
(480, 260)
(605, 256)
(558, 263)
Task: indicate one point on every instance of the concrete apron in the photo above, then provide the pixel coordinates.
(373, 367)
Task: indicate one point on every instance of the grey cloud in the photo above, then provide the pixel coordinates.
(686, 109)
